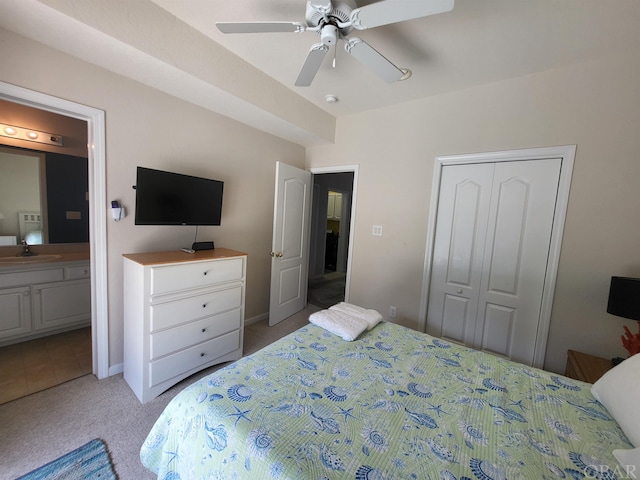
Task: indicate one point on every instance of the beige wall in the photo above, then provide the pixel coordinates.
(592, 105)
(148, 128)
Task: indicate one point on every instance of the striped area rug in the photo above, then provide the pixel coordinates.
(89, 461)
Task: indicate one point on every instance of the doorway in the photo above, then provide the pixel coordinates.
(331, 221)
(97, 208)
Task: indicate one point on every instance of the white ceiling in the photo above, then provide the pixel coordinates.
(480, 41)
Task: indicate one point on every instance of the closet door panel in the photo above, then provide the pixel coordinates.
(459, 245)
(515, 258)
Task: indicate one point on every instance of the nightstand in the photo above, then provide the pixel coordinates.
(585, 367)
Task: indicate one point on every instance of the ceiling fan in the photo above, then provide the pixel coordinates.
(335, 20)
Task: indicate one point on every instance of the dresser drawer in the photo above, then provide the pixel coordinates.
(178, 312)
(178, 338)
(74, 273)
(172, 278)
(178, 363)
(17, 279)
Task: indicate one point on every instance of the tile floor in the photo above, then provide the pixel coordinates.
(35, 365)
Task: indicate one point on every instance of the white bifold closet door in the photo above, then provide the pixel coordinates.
(493, 231)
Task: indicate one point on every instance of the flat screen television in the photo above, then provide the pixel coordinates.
(166, 198)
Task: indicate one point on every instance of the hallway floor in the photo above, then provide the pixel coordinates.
(38, 364)
(328, 291)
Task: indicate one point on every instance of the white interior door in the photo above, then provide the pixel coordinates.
(521, 214)
(463, 212)
(492, 242)
(290, 245)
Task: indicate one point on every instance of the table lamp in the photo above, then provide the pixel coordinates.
(624, 301)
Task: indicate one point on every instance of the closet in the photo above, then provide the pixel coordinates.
(491, 250)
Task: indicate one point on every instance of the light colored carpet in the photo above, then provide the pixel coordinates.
(39, 428)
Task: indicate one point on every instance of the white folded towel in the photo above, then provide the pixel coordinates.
(372, 317)
(345, 326)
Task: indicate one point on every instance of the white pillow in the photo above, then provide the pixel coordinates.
(619, 391)
(629, 461)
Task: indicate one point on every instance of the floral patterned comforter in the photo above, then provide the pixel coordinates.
(394, 404)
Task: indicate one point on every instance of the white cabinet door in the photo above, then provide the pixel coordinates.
(490, 254)
(15, 305)
(61, 304)
(334, 206)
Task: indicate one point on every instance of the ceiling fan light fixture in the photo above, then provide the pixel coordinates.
(331, 98)
(335, 19)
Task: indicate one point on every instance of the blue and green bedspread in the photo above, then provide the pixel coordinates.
(394, 404)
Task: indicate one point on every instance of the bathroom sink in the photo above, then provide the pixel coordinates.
(32, 259)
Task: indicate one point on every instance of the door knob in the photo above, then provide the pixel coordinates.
(276, 254)
(459, 290)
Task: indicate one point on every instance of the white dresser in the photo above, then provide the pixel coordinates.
(182, 313)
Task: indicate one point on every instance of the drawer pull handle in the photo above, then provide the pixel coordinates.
(202, 354)
(204, 330)
(205, 273)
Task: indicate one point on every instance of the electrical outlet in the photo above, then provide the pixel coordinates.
(392, 312)
(377, 231)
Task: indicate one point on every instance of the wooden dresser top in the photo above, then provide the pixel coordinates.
(175, 256)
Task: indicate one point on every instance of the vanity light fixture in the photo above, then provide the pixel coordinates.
(30, 135)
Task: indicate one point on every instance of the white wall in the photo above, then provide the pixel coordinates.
(593, 105)
(148, 128)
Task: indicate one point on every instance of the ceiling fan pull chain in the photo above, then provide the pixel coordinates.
(335, 53)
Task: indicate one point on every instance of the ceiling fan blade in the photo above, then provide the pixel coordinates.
(393, 11)
(260, 27)
(373, 60)
(311, 64)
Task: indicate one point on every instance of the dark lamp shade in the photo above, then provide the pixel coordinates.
(624, 297)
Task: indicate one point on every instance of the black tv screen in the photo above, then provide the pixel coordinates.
(166, 198)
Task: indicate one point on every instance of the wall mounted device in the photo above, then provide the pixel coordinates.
(117, 211)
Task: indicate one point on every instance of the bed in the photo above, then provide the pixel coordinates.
(393, 404)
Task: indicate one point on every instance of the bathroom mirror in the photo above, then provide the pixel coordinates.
(43, 197)
(43, 186)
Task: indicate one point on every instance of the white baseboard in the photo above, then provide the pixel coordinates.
(116, 369)
(259, 318)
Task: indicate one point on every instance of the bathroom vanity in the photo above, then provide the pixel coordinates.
(42, 295)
